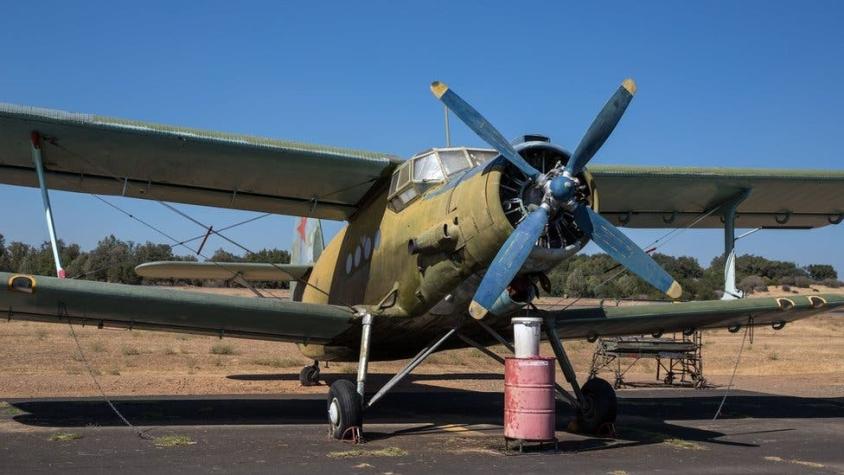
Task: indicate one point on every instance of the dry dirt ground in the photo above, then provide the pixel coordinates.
(42, 360)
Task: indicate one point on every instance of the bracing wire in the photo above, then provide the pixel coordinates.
(735, 368)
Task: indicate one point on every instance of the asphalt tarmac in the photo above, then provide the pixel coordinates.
(420, 432)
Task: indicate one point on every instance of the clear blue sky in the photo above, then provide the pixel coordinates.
(751, 84)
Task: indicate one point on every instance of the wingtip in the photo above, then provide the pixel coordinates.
(675, 291)
(477, 311)
(438, 88)
(630, 85)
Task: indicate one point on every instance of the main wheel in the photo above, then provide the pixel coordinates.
(599, 406)
(309, 376)
(344, 407)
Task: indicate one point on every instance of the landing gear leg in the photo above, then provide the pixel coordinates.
(345, 398)
(309, 376)
(596, 404)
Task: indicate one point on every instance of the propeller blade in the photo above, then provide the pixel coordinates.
(624, 251)
(475, 121)
(601, 127)
(508, 261)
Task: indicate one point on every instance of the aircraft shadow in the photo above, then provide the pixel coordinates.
(444, 405)
(375, 379)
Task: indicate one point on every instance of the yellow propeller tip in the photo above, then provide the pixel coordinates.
(438, 88)
(477, 311)
(675, 291)
(630, 85)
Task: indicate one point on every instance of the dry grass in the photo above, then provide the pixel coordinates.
(173, 441)
(279, 362)
(98, 347)
(65, 437)
(385, 452)
(37, 362)
(223, 349)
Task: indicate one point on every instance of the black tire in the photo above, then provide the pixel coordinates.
(309, 376)
(599, 408)
(346, 411)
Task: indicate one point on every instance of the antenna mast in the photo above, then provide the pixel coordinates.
(447, 130)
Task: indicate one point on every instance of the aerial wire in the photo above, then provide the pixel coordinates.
(735, 368)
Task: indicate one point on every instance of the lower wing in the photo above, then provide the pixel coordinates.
(48, 299)
(688, 316)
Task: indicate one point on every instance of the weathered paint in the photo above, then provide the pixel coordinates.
(529, 411)
(146, 307)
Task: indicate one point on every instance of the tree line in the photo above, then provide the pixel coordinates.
(114, 260)
(597, 275)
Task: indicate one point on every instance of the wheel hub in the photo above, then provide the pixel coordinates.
(334, 412)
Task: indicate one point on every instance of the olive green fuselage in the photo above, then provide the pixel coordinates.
(369, 262)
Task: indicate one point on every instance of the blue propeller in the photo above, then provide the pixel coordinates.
(509, 260)
(482, 127)
(559, 188)
(624, 251)
(601, 127)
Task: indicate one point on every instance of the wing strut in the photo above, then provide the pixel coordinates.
(729, 212)
(45, 197)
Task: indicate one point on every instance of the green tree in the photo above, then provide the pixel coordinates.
(273, 256)
(222, 255)
(111, 261)
(19, 257)
(576, 285)
(5, 259)
(820, 272)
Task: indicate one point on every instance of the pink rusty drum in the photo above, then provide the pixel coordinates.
(529, 412)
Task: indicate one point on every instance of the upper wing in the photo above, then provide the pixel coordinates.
(94, 154)
(222, 270)
(48, 299)
(675, 317)
(667, 197)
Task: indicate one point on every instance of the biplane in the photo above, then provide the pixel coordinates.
(440, 250)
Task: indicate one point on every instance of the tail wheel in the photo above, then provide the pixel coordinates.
(344, 408)
(599, 406)
(309, 376)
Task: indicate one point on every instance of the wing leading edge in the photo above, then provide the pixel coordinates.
(251, 271)
(672, 197)
(96, 154)
(52, 300)
(676, 317)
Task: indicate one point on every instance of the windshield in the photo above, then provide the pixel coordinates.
(427, 169)
(454, 161)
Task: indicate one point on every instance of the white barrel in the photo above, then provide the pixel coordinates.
(526, 334)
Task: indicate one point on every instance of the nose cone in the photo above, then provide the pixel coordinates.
(562, 188)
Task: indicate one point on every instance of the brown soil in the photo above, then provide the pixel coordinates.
(42, 360)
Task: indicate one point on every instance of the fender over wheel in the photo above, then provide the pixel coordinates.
(344, 408)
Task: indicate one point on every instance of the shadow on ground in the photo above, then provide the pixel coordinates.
(643, 413)
(375, 379)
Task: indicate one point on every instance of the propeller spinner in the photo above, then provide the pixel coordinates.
(558, 186)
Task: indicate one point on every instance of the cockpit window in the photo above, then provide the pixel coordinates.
(404, 175)
(481, 156)
(454, 161)
(426, 169)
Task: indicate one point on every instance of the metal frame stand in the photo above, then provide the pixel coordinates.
(685, 362)
(45, 197)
